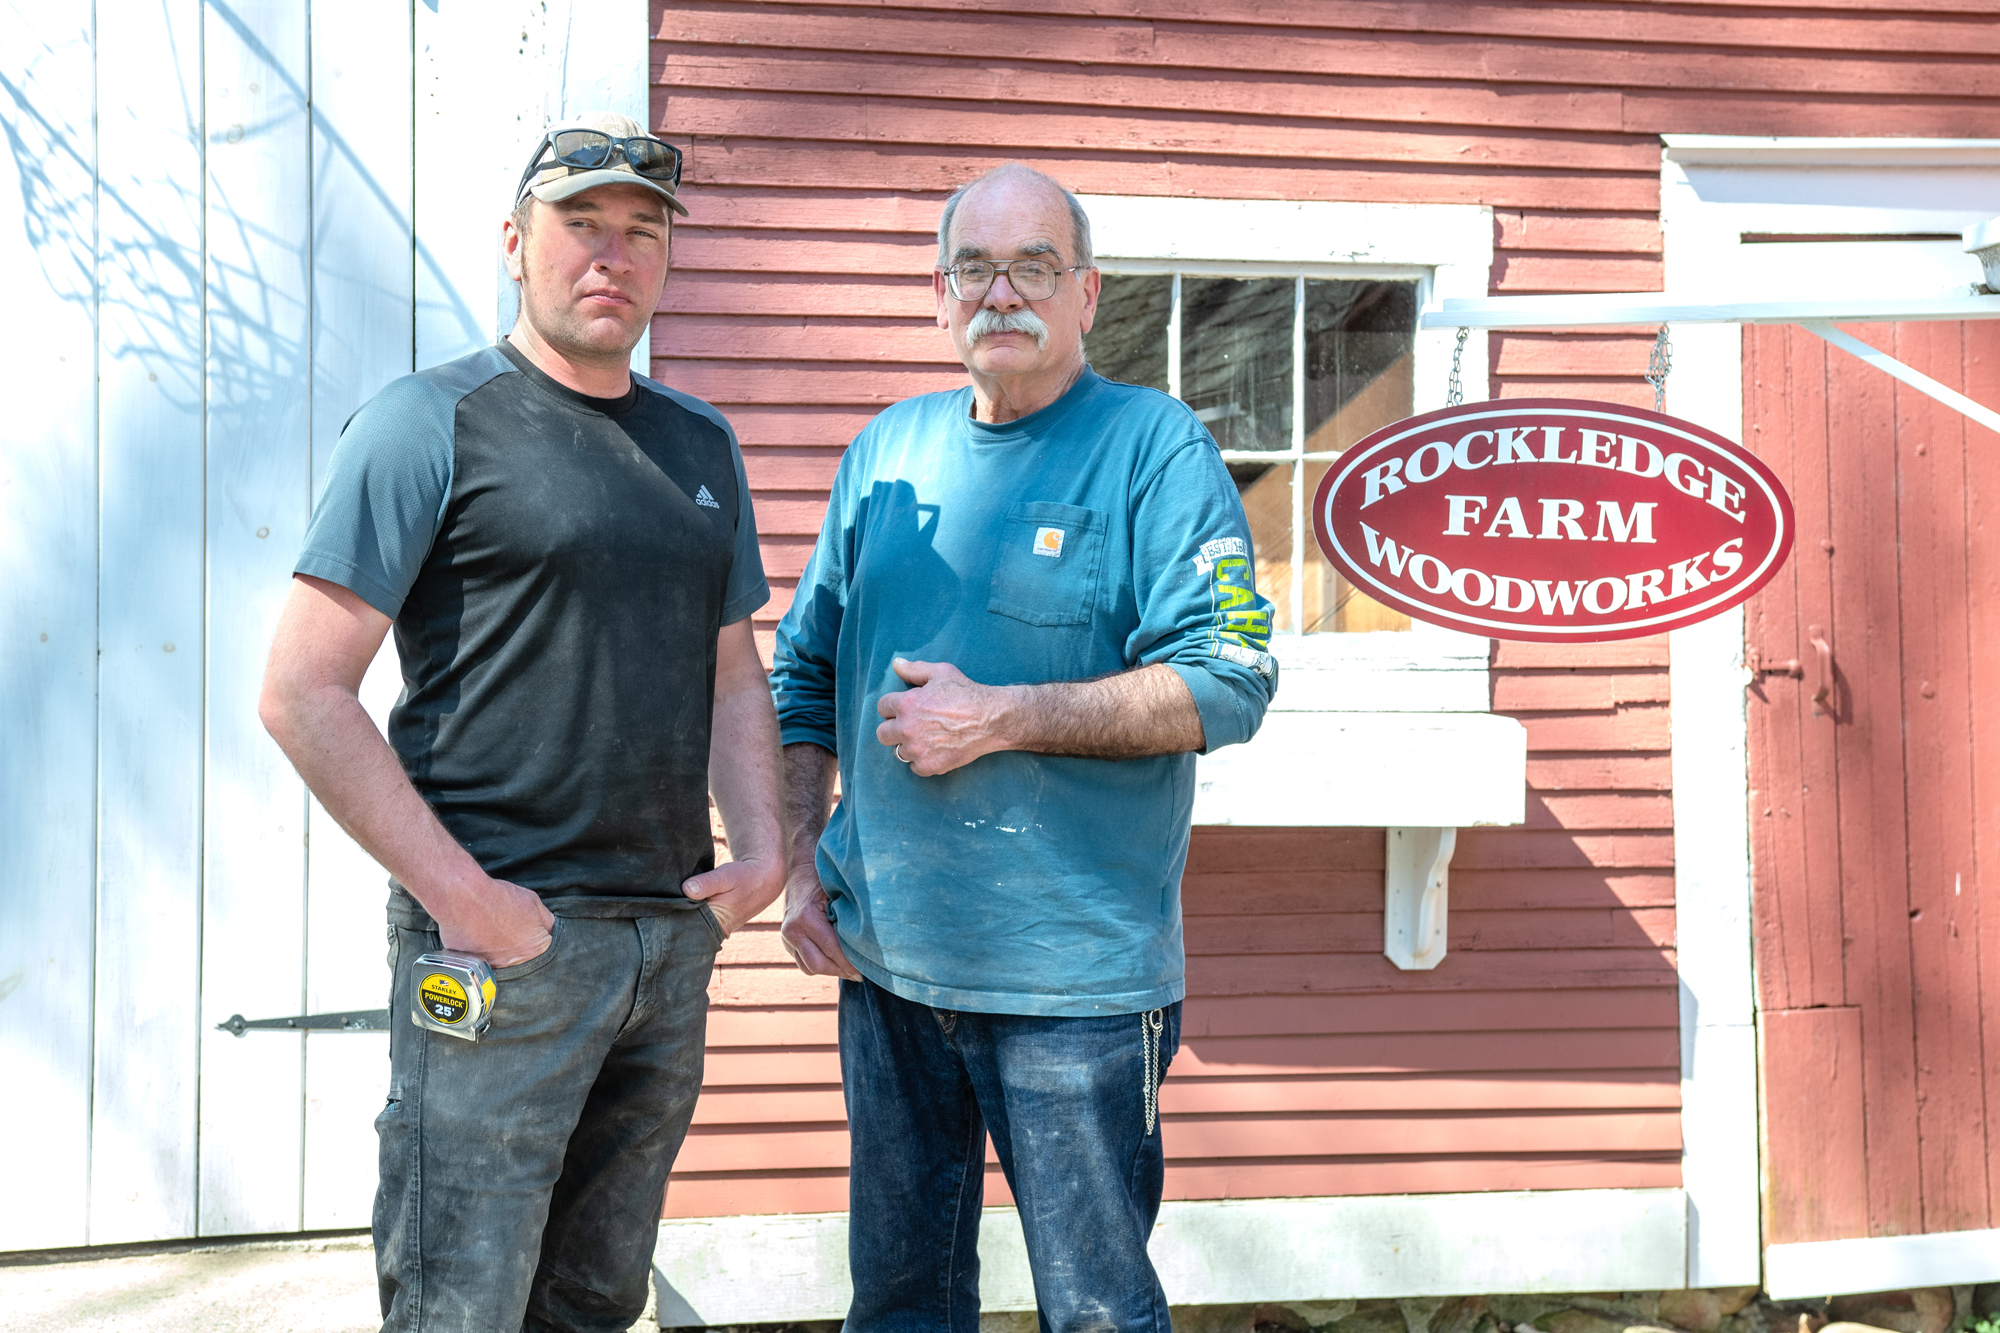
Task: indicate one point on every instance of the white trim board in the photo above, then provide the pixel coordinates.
(736, 1270)
(1611, 309)
(1278, 231)
(1712, 906)
(1731, 150)
(1712, 881)
(1880, 1263)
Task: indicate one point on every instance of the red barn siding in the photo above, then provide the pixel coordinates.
(822, 139)
(1543, 1054)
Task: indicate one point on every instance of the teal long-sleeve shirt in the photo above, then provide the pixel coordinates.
(1100, 534)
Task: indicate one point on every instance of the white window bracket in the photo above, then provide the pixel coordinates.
(1916, 379)
(1416, 898)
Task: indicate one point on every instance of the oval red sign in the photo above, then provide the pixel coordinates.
(1553, 519)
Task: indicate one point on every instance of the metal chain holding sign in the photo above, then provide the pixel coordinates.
(1662, 361)
(1454, 392)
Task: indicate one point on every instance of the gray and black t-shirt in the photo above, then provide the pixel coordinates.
(557, 567)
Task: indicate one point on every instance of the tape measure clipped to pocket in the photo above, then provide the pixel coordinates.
(454, 993)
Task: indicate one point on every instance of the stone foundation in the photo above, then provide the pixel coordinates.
(1722, 1310)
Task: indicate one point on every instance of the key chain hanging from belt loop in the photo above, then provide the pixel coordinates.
(1454, 390)
(1657, 368)
(1151, 1024)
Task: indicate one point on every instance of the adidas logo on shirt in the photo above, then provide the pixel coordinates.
(702, 497)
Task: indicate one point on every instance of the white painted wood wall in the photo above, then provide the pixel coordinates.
(224, 224)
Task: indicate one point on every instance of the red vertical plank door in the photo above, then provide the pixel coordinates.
(1813, 1116)
(1982, 543)
(1873, 813)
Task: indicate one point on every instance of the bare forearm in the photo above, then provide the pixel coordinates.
(809, 773)
(743, 772)
(808, 931)
(333, 743)
(1126, 716)
(325, 638)
(948, 720)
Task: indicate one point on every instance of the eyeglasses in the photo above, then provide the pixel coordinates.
(1031, 279)
(586, 150)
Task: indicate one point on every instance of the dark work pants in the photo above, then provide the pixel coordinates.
(522, 1174)
(1067, 1101)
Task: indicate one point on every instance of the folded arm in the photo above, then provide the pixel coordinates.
(948, 720)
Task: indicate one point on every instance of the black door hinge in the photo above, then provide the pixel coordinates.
(353, 1020)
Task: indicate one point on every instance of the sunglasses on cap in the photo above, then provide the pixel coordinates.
(587, 150)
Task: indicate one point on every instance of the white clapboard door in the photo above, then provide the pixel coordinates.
(234, 221)
(258, 496)
(49, 470)
(150, 608)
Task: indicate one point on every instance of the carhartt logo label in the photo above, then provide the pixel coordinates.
(1048, 541)
(702, 497)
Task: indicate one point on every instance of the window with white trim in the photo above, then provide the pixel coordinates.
(1442, 250)
(1287, 368)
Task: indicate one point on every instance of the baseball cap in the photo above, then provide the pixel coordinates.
(555, 181)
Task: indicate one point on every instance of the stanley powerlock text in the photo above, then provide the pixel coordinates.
(454, 994)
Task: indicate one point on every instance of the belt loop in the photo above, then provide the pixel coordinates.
(1151, 1024)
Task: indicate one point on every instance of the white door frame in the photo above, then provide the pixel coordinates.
(1716, 190)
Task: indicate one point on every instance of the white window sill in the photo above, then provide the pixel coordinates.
(1369, 770)
(1373, 731)
(1422, 670)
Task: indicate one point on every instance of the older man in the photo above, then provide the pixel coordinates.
(568, 556)
(1030, 605)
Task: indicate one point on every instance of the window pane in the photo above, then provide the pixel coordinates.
(1266, 490)
(1236, 358)
(1359, 362)
(1358, 359)
(1128, 339)
(1331, 602)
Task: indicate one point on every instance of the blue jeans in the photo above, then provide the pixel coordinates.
(521, 1175)
(1074, 1123)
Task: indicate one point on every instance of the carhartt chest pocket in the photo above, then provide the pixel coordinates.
(1047, 569)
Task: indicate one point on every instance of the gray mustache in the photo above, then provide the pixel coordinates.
(1015, 321)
